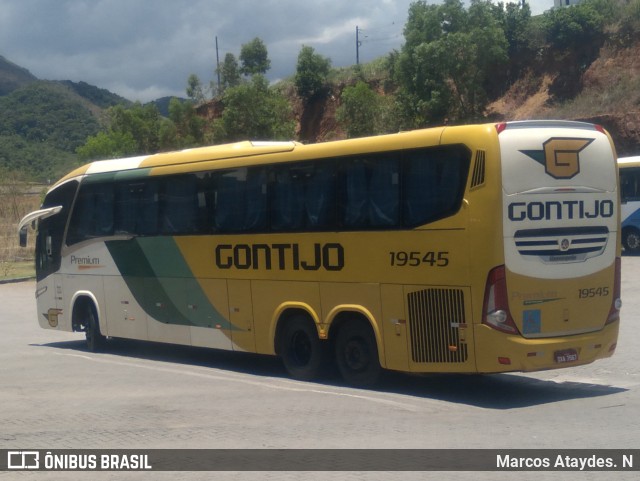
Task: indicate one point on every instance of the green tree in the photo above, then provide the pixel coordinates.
(132, 131)
(143, 122)
(254, 111)
(424, 25)
(578, 28)
(229, 72)
(186, 127)
(482, 51)
(254, 58)
(359, 111)
(108, 145)
(311, 72)
(630, 23)
(575, 36)
(521, 50)
(448, 59)
(195, 90)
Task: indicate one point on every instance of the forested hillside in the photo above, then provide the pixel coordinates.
(13, 76)
(42, 123)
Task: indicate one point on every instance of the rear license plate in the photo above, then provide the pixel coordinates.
(567, 355)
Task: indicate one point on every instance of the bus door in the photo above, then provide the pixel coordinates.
(49, 243)
(241, 315)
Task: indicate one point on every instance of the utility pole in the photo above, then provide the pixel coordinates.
(218, 64)
(358, 43)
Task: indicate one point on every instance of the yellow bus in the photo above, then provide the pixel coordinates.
(479, 248)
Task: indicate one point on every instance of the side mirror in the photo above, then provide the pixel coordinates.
(23, 236)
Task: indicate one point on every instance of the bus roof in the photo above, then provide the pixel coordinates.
(247, 148)
(178, 160)
(215, 152)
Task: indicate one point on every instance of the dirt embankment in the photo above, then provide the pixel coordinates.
(608, 93)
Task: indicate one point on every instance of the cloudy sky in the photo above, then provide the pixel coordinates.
(146, 49)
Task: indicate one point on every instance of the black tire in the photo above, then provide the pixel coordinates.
(631, 241)
(302, 351)
(357, 354)
(95, 340)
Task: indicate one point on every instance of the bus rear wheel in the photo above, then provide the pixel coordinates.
(301, 350)
(357, 354)
(95, 340)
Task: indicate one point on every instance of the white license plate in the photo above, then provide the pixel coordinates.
(566, 355)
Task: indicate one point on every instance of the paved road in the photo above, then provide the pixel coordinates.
(56, 395)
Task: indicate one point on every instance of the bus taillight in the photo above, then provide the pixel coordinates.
(616, 301)
(495, 312)
(501, 127)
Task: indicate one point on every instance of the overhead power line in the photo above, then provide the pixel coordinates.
(374, 38)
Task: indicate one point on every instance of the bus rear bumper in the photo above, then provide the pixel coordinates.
(499, 352)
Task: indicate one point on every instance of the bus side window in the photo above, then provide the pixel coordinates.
(288, 200)
(420, 194)
(81, 225)
(103, 205)
(93, 214)
(630, 183)
(149, 209)
(355, 194)
(319, 196)
(384, 192)
(136, 207)
(237, 200)
(372, 192)
(228, 201)
(180, 205)
(255, 212)
(433, 184)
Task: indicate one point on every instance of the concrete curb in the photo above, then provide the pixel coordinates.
(18, 279)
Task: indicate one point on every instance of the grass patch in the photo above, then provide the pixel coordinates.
(16, 270)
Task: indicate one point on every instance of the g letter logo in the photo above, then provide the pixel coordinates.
(560, 156)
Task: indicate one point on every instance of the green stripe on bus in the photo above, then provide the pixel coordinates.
(162, 283)
(108, 177)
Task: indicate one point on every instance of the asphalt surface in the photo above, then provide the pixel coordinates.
(56, 395)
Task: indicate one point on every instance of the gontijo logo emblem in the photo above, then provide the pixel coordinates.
(560, 156)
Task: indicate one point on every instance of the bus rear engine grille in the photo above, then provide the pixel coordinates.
(562, 245)
(435, 316)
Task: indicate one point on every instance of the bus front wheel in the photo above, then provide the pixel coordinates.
(95, 340)
(357, 354)
(301, 350)
(631, 240)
